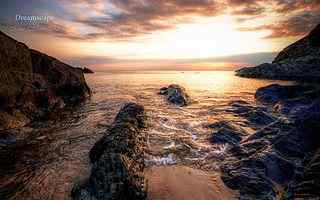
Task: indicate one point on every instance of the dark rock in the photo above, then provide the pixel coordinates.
(306, 186)
(118, 160)
(226, 132)
(270, 155)
(275, 93)
(176, 95)
(254, 114)
(248, 178)
(299, 61)
(253, 174)
(292, 145)
(240, 107)
(130, 118)
(281, 151)
(277, 168)
(304, 47)
(32, 84)
(225, 136)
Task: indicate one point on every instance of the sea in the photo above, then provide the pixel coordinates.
(46, 159)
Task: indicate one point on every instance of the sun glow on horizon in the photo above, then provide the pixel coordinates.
(212, 37)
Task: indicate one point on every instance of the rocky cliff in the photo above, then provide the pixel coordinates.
(299, 61)
(33, 84)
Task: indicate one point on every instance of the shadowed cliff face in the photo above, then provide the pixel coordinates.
(298, 61)
(33, 84)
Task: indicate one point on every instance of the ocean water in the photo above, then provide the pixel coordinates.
(45, 160)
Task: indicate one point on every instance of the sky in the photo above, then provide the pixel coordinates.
(160, 34)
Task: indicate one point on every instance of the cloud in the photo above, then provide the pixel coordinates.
(137, 17)
(127, 19)
(285, 6)
(296, 25)
(247, 7)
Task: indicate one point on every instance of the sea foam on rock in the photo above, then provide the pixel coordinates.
(118, 160)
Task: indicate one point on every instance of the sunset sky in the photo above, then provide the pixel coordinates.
(161, 34)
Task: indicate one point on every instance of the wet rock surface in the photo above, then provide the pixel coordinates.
(299, 61)
(176, 94)
(226, 133)
(306, 184)
(275, 154)
(118, 160)
(292, 140)
(33, 84)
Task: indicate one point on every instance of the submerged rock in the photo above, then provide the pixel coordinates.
(118, 160)
(299, 61)
(176, 95)
(33, 85)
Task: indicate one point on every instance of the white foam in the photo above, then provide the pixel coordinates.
(167, 160)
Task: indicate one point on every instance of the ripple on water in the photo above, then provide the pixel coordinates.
(55, 154)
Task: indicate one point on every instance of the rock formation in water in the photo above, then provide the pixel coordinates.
(118, 160)
(176, 94)
(282, 152)
(286, 152)
(299, 61)
(33, 85)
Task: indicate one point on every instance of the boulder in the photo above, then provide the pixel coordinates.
(33, 84)
(176, 94)
(118, 160)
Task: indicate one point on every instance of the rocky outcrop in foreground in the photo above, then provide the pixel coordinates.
(284, 152)
(287, 151)
(118, 160)
(176, 94)
(299, 61)
(33, 85)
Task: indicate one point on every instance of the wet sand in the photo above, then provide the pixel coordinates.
(181, 182)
